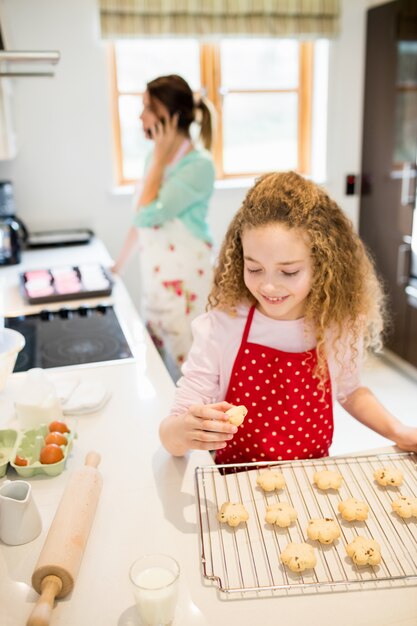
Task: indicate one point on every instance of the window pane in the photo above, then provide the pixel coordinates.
(259, 64)
(138, 62)
(406, 103)
(260, 132)
(405, 127)
(134, 145)
(407, 63)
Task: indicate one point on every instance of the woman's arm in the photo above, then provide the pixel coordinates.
(366, 408)
(166, 138)
(127, 251)
(164, 135)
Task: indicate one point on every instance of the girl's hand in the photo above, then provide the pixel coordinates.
(207, 427)
(406, 438)
(165, 135)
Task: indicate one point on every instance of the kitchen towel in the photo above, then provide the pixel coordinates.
(79, 397)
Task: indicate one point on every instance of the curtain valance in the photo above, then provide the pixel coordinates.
(198, 18)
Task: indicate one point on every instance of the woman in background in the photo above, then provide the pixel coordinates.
(170, 225)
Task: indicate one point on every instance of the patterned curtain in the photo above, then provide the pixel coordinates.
(200, 18)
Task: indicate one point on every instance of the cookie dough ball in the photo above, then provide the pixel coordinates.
(353, 510)
(270, 480)
(299, 557)
(232, 513)
(324, 530)
(327, 479)
(364, 551)
(405, 506)
(237, 414)
(387, 476)
(281, 514)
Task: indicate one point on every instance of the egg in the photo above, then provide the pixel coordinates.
(51, 453)
(57, 438)
(19, 460)
(58, 427)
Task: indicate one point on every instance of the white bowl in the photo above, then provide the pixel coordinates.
(11, 343)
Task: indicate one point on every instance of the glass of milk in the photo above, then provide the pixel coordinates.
(155, 582)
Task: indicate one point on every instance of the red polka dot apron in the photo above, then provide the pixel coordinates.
(289, 417)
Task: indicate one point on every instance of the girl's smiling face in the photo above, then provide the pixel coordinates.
(277, 270)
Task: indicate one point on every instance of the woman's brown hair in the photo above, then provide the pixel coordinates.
(175, 93)
(345, 297)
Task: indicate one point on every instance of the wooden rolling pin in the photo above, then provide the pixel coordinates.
(61, 555)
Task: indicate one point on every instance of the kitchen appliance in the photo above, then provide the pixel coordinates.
(69, 337)
(411, 286)
(247, 559)
(389, 173)
(13, 232)
(60, 558)
(53, 238)
(36, 60)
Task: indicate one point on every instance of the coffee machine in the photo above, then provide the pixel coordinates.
(13, 232)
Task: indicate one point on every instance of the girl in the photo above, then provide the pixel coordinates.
(170, 225)
(294, 305)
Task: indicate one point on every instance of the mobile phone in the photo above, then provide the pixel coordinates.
(148, 131)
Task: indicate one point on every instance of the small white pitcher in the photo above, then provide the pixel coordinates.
(20, 521)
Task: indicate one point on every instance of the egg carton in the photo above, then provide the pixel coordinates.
(28, 444)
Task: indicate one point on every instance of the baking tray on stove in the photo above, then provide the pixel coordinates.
(57, 284)
(246, 560)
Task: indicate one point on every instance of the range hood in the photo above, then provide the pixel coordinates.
(25, 63)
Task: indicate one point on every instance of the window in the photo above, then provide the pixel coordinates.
(270, 96)
(406, 103)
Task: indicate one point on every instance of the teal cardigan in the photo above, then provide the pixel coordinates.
(184, 194)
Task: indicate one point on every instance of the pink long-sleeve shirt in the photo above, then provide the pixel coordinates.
(217, 337)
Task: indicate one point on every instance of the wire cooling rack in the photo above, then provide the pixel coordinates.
(246, 559)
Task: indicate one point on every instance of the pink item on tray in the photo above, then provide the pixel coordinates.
(66, 283)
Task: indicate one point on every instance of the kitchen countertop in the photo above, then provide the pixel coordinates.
(148, 500)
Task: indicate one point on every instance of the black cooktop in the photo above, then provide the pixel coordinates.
(69, 337)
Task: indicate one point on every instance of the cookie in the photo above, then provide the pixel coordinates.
(405, 506)
(326, 479)
(353, 510)
(325, 530)
(298, 557)
(232, 513)
(237, 414)
(270, 480)
(364, 551)
(387, 476)
(281, 514)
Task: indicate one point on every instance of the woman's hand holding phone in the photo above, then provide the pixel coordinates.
(165, 136)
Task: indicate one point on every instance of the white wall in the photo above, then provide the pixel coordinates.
(63, 173)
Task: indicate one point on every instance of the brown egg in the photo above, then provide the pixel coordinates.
(51, 454)
(57, 438)
(58, 427)
(19, 460)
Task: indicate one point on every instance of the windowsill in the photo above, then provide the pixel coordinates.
(221, 184)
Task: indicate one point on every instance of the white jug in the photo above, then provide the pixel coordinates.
(20, 521)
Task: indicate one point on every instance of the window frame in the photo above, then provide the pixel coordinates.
(210, 72)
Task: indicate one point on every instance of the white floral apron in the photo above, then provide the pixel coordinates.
(176, 273)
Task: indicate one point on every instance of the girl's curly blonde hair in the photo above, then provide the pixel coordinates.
(345, 296)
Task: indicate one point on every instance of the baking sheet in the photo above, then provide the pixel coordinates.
(246, 559)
